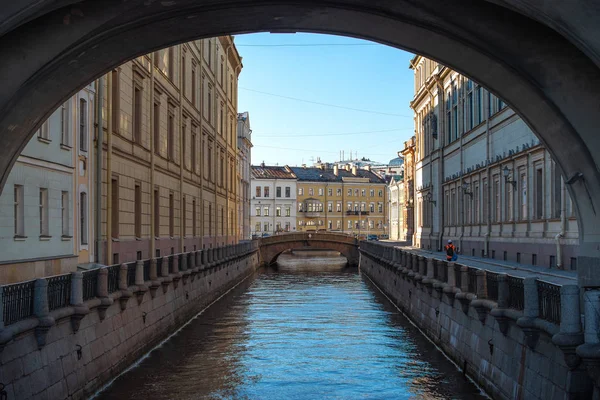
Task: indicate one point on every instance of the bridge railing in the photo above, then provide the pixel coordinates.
(21, 304)
(532, 302)
(307, 236)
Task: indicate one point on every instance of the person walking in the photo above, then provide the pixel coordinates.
(450, 251)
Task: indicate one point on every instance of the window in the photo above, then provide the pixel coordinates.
(183, 71)
(372, 207)
(257, 227)
(372, 193)
(258, 211)
(380, 194)
(300, 207)
(116, 101)
(496, 197)
(320, 191)
(349, 206)
(114, 208)
(64, 212)
(349, 224)
(194, 145)
(288, 211)
(171, 215)
(363, 192)
(267, 191)
(278, 191)
(83, 113)
(64, 124)
(522, 194)
(300, 191)
(209, 103)
(470, 107)
(479, 105)
(371, 224)
(83, 218)
(171, 63)
(338, 207)
(138, 210)
(19, 208)
(338, 225)
(171, 136)
(266, 227)
(379, 207)
(311, 191)
(485, 200)
(287, 191)
(476, 208)
(287, 226)
(278, 211)
(556, 191)
(156, 213)
(356, 191)
(330, 207)
(266, 211)
(363, 207)
(210, 219)
(193, 86)
(156, 128)
(329, 192)
(508, 201)
(539, 193)
(209, 53)
(349, 192)
(137, 115)
(338, 192)
(258, 191)
(183, 216)
(43, 212)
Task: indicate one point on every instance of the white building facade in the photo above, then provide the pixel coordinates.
(45, 230)
(244, 145)
(396, 206)
(482, 178)
(274, 203)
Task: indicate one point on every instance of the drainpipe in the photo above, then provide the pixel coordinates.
(99, 146)
(561, 233)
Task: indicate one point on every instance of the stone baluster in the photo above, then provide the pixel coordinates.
(154, 282)
(164, 273)
(80, 310)
(139, 281)
(481, 284)
(102, 293)
(531, 311)
(464, 279)
(570, 335)
(42, 311)
(502, 305)
(176, 274)
(125, 294)
(450, 289)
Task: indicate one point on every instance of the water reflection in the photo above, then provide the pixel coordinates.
(297, 335)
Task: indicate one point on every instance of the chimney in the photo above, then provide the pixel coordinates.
(335, 170)
(262, 164)
(354, 170)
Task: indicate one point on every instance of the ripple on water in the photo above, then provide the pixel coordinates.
(297, 335)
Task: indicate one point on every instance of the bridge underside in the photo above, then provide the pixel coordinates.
(542, 57)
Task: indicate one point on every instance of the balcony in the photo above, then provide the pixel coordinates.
(311, 214)
(350, 212)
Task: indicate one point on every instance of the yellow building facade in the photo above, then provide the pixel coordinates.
(347, 200)
(169, 159)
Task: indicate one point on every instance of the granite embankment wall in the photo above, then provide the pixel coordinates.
(65, 337)
(515, 337)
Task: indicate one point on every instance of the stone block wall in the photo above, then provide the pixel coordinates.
(74, 365)
(503, 364)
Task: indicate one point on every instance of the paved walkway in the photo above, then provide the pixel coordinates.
(507, 267)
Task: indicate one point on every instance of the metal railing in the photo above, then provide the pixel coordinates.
(131, 273)
(516, 293)
(171, 261)
(147, 269)
(492, 285)
(18, 301)
(113, 278)
(457, 276)
(59, 291)
(472, 274)
(90, 283)
(549, 301)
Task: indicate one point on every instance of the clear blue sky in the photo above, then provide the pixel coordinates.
(351, 73)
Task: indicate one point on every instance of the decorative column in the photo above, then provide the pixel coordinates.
(531, 312)
(41, 311)
(79, 309)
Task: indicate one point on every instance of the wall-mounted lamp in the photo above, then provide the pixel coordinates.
(429, 197)
(506, 173)
(465, 189)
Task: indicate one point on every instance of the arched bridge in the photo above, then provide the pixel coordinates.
(271, 247)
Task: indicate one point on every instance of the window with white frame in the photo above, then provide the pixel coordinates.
(300, 191)
(64, 124)
(44, 131)
(43, 212)
(379, 207)
(266, 227)
(19, 211)
(83, 121)
(266, 211)
(372, 207)
(338, 192)
(278, 211)
(257, 227)
(64, 212)
(338, 206)
(258, 211)
(320, 191)
(288, 211)
(83, 220)
(311, 191)
(522, 185)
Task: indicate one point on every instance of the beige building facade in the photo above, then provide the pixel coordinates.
(482, 178)
(170, 153)
(347, 200)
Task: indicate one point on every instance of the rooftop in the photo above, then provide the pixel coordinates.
(271, 172)
(314, 174)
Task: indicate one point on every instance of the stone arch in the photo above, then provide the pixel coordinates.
(543, 58)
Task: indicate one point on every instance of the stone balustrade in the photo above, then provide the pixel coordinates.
(530, 305)
(37, 304)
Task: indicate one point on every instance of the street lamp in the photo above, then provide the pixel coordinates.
(465, 189)
(429, 197)
(506, 173)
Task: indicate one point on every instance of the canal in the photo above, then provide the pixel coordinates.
(296, 334)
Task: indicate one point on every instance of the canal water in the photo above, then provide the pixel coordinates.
(297, 333)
